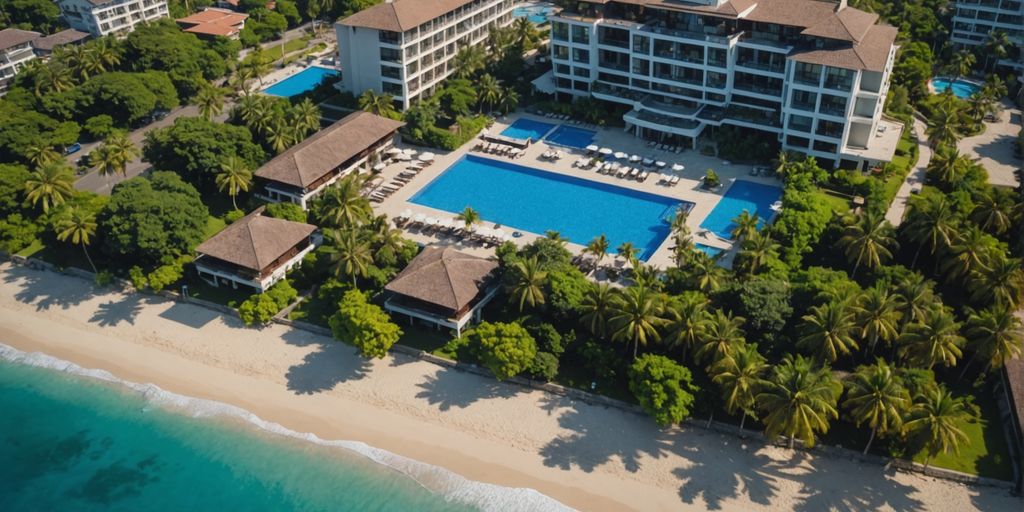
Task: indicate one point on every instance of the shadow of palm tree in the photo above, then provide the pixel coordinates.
(831, 485)
(112, 313)
(327, 367)
(719, 474)
(448, 388)
(999, 149)
(36, 290)
(597, 436)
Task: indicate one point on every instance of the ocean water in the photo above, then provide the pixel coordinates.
(75, 439)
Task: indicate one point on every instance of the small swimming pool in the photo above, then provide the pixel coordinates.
(707, 249)
(300, 82)
(742, 195)
(535, 13)
(524, 129)
(536, 201)
(572, 137)
(961, 88)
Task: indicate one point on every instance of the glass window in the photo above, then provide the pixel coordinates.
(583, 72)
(800, 123)
(559, 31)
(562, 69)
(579, 55)
(580, 34)
(641, 44)
(561, 52)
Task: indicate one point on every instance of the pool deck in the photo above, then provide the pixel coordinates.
(688, 188)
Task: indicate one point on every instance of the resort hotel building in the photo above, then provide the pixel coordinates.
(813, 74)
(406, 48)
(103, 17)
(15, 53)
(973, 20)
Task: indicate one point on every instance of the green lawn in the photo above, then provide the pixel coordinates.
(840, 205)
(35, 247)
(275, 52)
(213, 226)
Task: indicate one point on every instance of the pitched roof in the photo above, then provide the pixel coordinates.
(216, 16)
(443, 277)
(401, 15)
(52, 41)
(255, 241)
(10, 37)
(871, 54)
(1014, 369)
(310, 160)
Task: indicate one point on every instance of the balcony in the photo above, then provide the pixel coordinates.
(771, 68)
(833, 110)
(685, 34)
(837, 84)
(765, 41)
(616, 93)
(757, 89)
(617, 66)
(807, 106)
(698, 81)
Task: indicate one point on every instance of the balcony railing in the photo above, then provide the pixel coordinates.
(743, 86)
(804, 105)
(833, 110)
(772, 68)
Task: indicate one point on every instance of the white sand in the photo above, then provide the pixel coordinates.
(587, 457)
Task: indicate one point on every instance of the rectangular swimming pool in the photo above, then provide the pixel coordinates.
(536, 201)
(305, 80)
(742, 195)
(527, 129)
(571, 137)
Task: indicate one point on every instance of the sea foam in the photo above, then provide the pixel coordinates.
(453, 487)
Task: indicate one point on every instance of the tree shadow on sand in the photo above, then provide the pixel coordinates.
(37, 288)
(112, 313)
(999, 149)
(331, 364)
(847, 486)
(718, 473)
(448, 388)
(597, 436)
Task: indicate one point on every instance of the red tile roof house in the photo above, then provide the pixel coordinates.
(214, 22)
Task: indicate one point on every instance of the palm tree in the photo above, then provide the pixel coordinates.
(782, 162)
(40, 154)
(51, 184)
(528, 282)
(1002, 282)
(234, 176)
(995, 335)
(992, 214)
(798, 400)
(936, 418)
(628, 251)
(997, 45)
(598, 247)
(115, 154)
(107, 52)
(994, 88)
(389, 241)
(746, 225)
(508, 101)
(209, 100)
(78, 226)
(979, 105)
(878, 314)
(931, 224)
(678, 225)
(342, 205)
(350, 253)
(962, 63)
(683, 248)
(469, 60)
(721, 333)
(380, 104)
(948, 166)
(757, 250)
(469, 217)
(971, 251)
(488, 90)
(306, 115)
(739, 376)
(706, 273)
(935, 340)
(596, 308)
(52, 76)
(868, 241)
(252, 109)
(917, 297)
(257, 64)
(687, 318)
(525, 33)
(875, 396)
(280, 134)
(636, 316)
(828, 331)
(943, 127)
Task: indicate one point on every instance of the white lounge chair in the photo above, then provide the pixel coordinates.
(633, 173)
(675, 180)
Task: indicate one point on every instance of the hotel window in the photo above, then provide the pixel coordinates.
(641, 67)
(583, 72)
(561, 52)
(579, 55)
(562, 69)
(559, 31)
(830, 129)
(641, 44)
(580, 34)
(391, 88)
(824, 147)
(808, 74)
(838, 78)
(717, 57)
(563, 83)
(804, 100)
(641, 84)
(580, 86)
(800, 123)
(833, 105)
(800, 142)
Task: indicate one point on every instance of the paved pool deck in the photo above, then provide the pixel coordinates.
(994, 148)
(688, 188)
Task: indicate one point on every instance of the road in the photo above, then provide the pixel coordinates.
(915, 178)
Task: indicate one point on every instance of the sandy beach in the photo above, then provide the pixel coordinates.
(588, 457)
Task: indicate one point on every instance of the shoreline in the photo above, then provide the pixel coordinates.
(586, 457)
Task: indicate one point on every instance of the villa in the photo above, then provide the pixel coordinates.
(406, 48)
(357, 141)
(105, 17)
(213, 22)
(813, 74)
(15, 52)
(255, 251)
(444, 287)
(45, 46)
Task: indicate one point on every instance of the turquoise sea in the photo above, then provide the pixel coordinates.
(71, 440)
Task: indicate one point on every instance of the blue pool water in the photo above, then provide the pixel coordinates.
(571, 137)
(742, 195)
(961, 89)
(536, 201)
(524, 129)
(300, 82)
(710, 251)
(535, 13)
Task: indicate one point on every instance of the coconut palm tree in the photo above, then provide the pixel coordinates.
(828, 331)
(746, 225)
(280, 134)
(342, 205)
(687, 317)
(210, 100)
(628, 251)
(115, 153)
(917, 297)
(991, 213)
(962, 63)
(469, 60)
(683, 249)
(995, 335)
(469, 217)
(936, 339)
(948, 166)
(867, 240)
(235, 177)
(997, 45)
(931, 224)
(306, 116)
(528, 282)
(488, 91)
(876, 397)
(596, 308)
(937, 418)
(943, 127)
(257, 64)
(41, 154)
(381, 104)
(508, 101)
(798, 400)
(756, 251)
(388, 242)
(721, 333)
(740, 377)
(878, 315)
(979, 105)
(79, 227)
(525, 33)
(107, 51)
(598, 247)
(349, 253)
(678, 225)
(705, 272)
(52, 76)
(782, 162)
(50, 185)
(1002, 282)
(970, 251)
(636, 316)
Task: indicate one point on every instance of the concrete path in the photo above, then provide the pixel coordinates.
(994, 148)
(915, 178)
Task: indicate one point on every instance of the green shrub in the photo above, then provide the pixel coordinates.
(506, 349)
(663, 388)
(711, 179)
(286, 211)
(258, 309)
(545, 366)
(138, 277)
(282, 294)
(17, 232)
(165, 275)
(104, 278)
(364, 325)
(233, 216)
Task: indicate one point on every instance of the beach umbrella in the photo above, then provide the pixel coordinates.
(620, 155)
(430, 221)
(592, 148)
(500, 233)
(659, 163)
(406, 213)
(420, 217)
(403, 157)
(427, 157)
(605, 151)
(677, 167)
(648, 161)
(379, 167)
(634, 158)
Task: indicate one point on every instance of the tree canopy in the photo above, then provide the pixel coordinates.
(195, 148)
(663, 388)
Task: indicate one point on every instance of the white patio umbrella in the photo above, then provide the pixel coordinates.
(427, 157)
(592, 147)
(605, 151)
(430, 221)
(648, 161)
(410, 151)
(677, 167)
(620, 155)
(406, 213)
(500, 233)
(403, 157)
(659, 163)
(379, 167)
(635, 158)
(420, 217)
(394, 151)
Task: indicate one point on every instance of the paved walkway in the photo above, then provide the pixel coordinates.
(915, 178)
(994, 148)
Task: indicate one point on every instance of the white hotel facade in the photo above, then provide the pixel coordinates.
(103, 17)
(406, 48)
(814, 74)
(973, 20)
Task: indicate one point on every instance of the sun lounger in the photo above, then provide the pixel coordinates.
(643, 176)
(675, 180)
(633, 173)
(623, 171)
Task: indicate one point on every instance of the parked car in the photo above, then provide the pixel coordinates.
(74, 148)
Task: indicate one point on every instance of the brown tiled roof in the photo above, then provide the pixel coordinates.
(847, 24)
(310, 160)
(871, 54)
(255, 241)
(401, 15)
(48, 43)
(1014, 369)
(443, 277)
(214, 15)
(10, 37)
